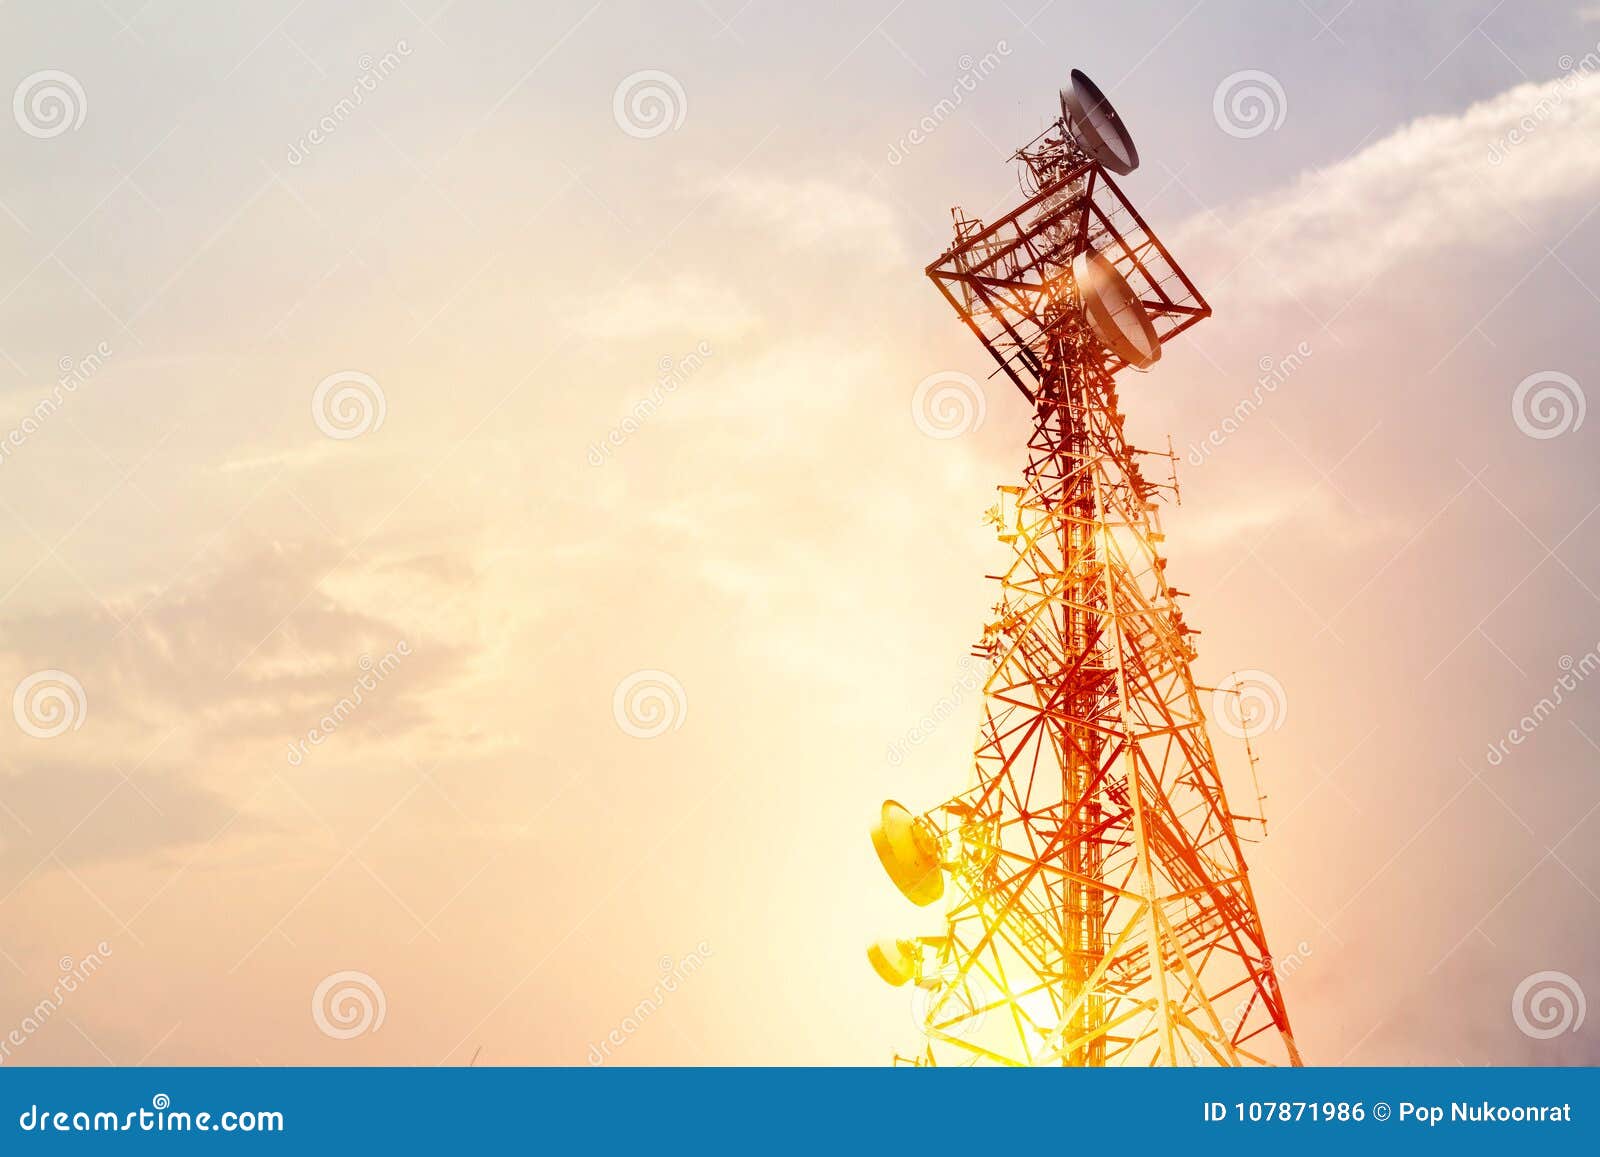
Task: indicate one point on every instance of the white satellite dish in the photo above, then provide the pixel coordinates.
(1096, 127)
(1114, 311)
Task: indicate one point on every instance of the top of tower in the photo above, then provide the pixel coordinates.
(1074, 253)
(1095, 126)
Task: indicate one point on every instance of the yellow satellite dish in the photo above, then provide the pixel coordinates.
(908, 846)
(895, 960)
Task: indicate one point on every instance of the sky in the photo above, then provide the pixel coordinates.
(547, 379)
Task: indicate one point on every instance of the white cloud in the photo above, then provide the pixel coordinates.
(685, 305)
(1243, 518)
(297, 458)
(814, 214)
(1436, 184)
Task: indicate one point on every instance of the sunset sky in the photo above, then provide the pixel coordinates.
(354, 395)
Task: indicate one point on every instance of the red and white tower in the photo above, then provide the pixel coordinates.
(1098, 908)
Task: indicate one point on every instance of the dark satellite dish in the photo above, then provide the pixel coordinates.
(1114, 311)
(1096, 127)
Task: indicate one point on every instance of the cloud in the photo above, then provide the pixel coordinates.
(299, 458)
(688, 307)
(815, 215)
(1241, 519)
(1437, 184)
(810, 217)
(146, 814)
(247, 656)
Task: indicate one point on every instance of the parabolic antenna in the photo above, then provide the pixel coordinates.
(909, 849)
(1096, 126)
(1114, 311)
(894, 960)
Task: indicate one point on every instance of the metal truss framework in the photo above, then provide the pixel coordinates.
(1099, 910)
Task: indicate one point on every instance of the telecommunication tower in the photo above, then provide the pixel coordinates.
(1098, 910)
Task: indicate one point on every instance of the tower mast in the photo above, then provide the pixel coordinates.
(1098, 908)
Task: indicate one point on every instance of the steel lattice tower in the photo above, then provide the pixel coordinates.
(1098, 909)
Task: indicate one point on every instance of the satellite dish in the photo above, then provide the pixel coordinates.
(908, 846)
(1115, 313)
(894, 960)
(1096, 127)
